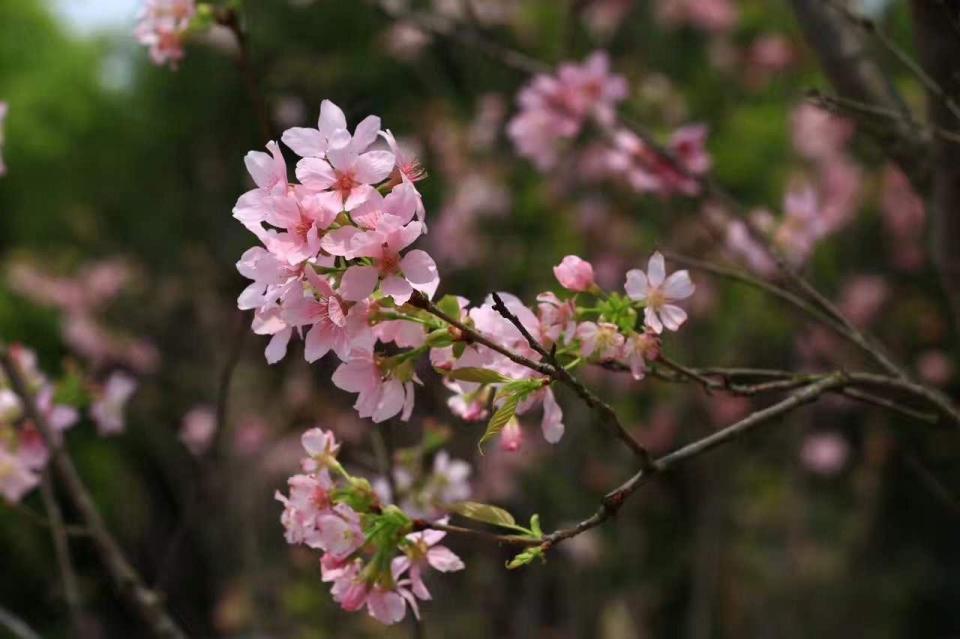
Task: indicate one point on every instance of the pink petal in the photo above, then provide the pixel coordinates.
(356, 376)
(315, 173)
(386, 606)
(444, 559)
(340, 241)
(374, 167)
(421, 271)
(331, 118)
(358, 283)
(365, 133)
(391, 401)
(397, 288)
(277, 347)
(305, 142)
(636, 286)
(318, 342)
(552, 423)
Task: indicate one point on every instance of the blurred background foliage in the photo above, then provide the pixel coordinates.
(110, 156)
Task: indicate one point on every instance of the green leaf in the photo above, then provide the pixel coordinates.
(535, 526)
(526, 557)
(500, 418)
(458, 348)
(478, 375)
(450, 305)
(439, 338)
(483, 512)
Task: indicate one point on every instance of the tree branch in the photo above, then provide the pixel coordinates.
(129, 584)
(856, 76)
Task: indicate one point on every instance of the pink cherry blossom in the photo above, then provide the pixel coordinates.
(422, 551)
(338, 532)
(108, 409)
(16, 477)
(574, 274)
(656, 292)
(331, 125)
(398, 275)
(333, 325)
(309, 499)
(163, 26)
(638, 349)
(346, 175)
(600, 341)
(380, 396)
(553, 108)
(557, 318)
(386, 605)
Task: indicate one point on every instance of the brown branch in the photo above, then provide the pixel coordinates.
(61, 549)
(939, 49)
(855, 75)
(613, 501)
(128, 582)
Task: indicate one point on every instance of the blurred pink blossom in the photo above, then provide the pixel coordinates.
(198, 428)
(818, 134)
(904, 218)
(711, 16)
(824, 453)
(862, 298)
(163, 26)
(935, 367)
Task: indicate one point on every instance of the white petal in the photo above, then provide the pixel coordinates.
(656, 270)
(672, 316)
(636, 285)
(678, 286)
(651, 320)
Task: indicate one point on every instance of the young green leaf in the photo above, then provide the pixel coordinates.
(526, 557)
(483, 512)
(478, 375)
(500, 418)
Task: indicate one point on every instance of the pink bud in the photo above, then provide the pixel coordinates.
(574, 274)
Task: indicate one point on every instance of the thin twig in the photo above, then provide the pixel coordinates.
(229, 18)
(61, 549)
(613, 501)
(128, 582)
(16, 626)
(871, 28)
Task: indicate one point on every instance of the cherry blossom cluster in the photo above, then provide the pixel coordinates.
(555, 109)
(23, 451)
(591, 326)
(163, 27)
(333, 266)
(334, 258)
(372, 556)
(82, 298)
(818, 202)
